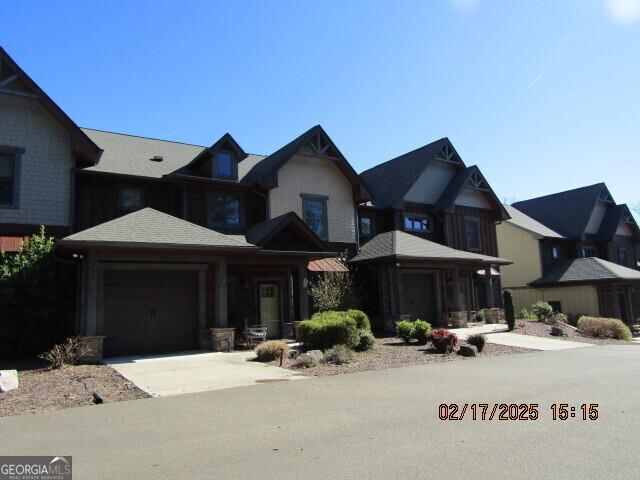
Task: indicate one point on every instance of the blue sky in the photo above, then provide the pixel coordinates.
(542, 95)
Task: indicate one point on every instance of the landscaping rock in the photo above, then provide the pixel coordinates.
(468, 351)
(315, 355)
(8, 380)
(557, 331)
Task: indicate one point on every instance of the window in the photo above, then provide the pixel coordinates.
(555, 252)
(472, 229)
(623, 258)
(366, 226)
(413, 223)
(589, 252)
(130, 199)
(314, 213)
(223, 211)
(223, 165)
(9, 169)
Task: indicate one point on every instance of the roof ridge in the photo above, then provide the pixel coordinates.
(404, 154)
(571, 190)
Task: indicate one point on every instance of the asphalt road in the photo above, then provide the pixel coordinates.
(368, 425)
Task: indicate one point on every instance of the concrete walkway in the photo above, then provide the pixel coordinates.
(498, 334)
(175, 374)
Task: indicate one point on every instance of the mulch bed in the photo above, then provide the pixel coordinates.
(541, 329)
(43, 390)
(391, 353)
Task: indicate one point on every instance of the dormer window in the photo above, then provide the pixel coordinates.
(223, 165)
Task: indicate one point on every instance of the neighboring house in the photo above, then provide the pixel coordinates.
(429, 237)
(577, 250)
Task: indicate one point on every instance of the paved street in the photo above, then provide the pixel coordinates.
(368, 425)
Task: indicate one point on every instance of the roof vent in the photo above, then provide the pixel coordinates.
(156, 158)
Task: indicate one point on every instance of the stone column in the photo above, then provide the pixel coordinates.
(488, 287)
(302, 292)
(221, 293)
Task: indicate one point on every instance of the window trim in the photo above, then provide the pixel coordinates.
(121, 207)
(555, 252)
(233, 175)
(325, 210)
(372, 232)
(224, 226)
(17, 164)
(416, 216)
(475, 220)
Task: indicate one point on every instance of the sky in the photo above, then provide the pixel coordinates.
(542, 95)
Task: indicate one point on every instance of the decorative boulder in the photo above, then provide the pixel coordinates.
(468, 351)
(557, 331)
(315, 355)
(8, 380)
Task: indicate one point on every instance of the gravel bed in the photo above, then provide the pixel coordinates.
(43, 390)
(541, 329)
(391, 353)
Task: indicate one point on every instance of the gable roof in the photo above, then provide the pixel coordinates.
(224, 141)
(262, 170)
(154, 229)
(612, 219)
(14, 80)
(261, 233)
(568, 212)
(447, 199)
(525, 222)
(591, 269)
(403, 170)
(402, 245)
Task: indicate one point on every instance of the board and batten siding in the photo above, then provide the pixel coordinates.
(316, 176)
(574, 299)
(45, 166)
(522, 247)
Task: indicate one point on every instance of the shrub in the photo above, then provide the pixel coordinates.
(404, 330)
(271, 350)
(478, 340)
(509, 309)
(304, 361)
(67, 353)
(338, 355)
(367, 341)
(333, 290)
(421, 331)
(604, 327)
(361, 318)
(327, 329)
(443, 340)
(542, 311)
(480, 316)
(527, 315)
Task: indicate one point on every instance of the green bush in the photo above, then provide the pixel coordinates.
(271, 350)
(404, 330)
(509, 309)
(367, 341)
(527, 315)
(478, 340)
(361, 318)
(338, 355)
(542, 311)
(421, 331)
(604, 327)
(327, 329)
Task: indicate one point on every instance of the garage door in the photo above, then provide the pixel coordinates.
(150, 311)
(418, 296)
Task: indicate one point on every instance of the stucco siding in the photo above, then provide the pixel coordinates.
(574, 300)
(45, 165)
(316, 176)
(522, 247)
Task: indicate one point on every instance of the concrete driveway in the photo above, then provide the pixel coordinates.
(175, 374)
(498, 334)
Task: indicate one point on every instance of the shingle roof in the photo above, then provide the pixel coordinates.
(154, 229)
(390, 181)
(527, 223)
(581, 270)
(263, 232)
(131, 155)
(402, 245)
(567, 213)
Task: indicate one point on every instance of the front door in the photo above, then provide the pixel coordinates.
(417, 298)
(270, 308)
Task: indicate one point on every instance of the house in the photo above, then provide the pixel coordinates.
(429, 247)
(577, 250)
(173, 241)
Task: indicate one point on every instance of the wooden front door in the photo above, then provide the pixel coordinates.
(417, 296)
(270, 308)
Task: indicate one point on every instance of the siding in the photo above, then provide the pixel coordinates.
(522, 247)
(473, 198)
(431, 183)
(595, 220)
(45, 166)
(581, 299)
(456, 233)
(316, 176)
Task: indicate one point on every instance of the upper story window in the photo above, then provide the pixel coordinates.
(555, 252)
(314, 213)
(414, 223)
(589, 252)
(130, 199)
(223, 211)
(472, 230)
(9, 174)
(623, 258)
(366, 226)
(223, 165)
